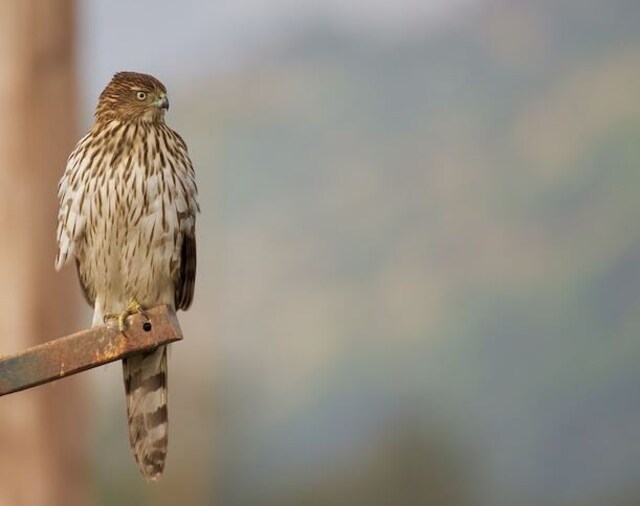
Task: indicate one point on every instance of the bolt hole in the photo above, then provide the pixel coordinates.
(146, 326)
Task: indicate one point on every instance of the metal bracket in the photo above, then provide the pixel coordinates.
(87, 349)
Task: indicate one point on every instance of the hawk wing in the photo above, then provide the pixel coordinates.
(187, 275)
(89, 296)
(72, 216)
(187, 207)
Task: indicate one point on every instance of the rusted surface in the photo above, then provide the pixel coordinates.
(86, 349)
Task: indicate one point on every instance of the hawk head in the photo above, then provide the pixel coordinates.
(131, 96)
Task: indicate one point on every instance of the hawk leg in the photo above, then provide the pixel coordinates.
(133, 307)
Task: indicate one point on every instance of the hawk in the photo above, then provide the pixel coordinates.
(128, 205)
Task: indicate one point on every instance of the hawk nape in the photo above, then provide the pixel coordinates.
(128, 204)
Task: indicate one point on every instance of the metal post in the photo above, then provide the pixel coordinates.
(89, 348)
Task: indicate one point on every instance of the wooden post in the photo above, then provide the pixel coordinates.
(42, 459)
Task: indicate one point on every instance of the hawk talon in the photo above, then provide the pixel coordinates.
(133, 308)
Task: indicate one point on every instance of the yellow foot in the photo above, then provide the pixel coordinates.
(133, 307)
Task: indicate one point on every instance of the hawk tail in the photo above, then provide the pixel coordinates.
(145, 383)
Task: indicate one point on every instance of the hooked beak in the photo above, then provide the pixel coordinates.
(163, 102)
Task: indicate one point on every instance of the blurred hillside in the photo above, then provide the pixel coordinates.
(419, 265)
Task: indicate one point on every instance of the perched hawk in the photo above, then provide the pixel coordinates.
(128, 204)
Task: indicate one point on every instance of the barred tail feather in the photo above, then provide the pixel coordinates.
(145, 382)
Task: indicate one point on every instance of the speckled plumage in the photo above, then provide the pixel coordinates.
(128, 202)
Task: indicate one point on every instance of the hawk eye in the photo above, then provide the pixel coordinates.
(141, 95)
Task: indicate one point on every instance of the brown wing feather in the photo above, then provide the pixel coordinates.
(187, 277)
(88, 296)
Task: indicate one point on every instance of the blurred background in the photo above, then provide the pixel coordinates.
(419, 254)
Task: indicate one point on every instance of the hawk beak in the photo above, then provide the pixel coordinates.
(163, 102)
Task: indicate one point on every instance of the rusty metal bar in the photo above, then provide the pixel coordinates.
(87, 349)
